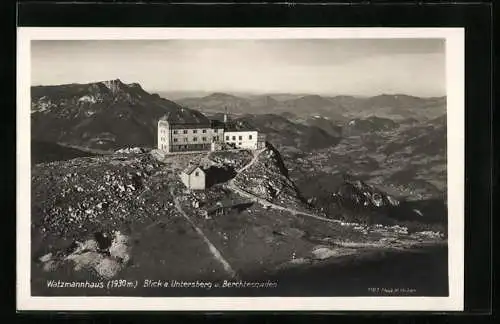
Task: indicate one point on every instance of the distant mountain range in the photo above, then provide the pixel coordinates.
(284, 133)
(370, 124)
(339, 108)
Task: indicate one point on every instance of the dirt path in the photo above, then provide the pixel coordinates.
(403, 241)
(256, 155)
(215, 252)
(266, 203)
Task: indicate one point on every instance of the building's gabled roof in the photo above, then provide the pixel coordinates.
(190, 169)
(186, 118)
(238, 126)
(189, 126)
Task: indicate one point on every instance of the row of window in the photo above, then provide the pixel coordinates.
(195, 131)
(216, 138)
(195, 139)
(239, 138)
(184, 147)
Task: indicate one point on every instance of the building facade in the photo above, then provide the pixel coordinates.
(194, 177)
(205, 136)
(244, 139)
(181, 137)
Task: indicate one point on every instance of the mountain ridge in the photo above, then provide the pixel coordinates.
(104, 115)
(340, 107)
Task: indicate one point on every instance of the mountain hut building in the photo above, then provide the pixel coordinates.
(239, 135)
(187, 137)
(206, 135)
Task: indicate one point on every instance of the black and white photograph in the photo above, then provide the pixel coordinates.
(214, 165)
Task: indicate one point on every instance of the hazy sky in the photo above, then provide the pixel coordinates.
(351, 67)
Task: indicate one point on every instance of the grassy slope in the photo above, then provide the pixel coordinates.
(47, 152)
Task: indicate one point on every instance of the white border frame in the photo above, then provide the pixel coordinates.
(455, 175)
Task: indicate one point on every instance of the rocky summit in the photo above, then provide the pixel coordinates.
(357, 193)
(268, 179)
(101, 115)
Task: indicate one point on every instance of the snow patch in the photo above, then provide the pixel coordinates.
(392, 201)
(323, 253)
(120, 248)
(107, 268)
(87, 255)
(130, 150)
(399, 229)
(46, 258)
(86, 98)
(430, 234)
(418, 212)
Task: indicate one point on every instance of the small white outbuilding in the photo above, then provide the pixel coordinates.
(194, 177)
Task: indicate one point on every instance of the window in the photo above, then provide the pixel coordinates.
(195, 131)
(185, 140)
(196, 174)
(240, 137)
(239, 143)
(175, 139)
(249, 137)
(234, 138)
(216, 130)
(227, 138)
(204, 131)
(195, 139)
(185, 131)
(214, 138)
(204, 139)
(175, 132)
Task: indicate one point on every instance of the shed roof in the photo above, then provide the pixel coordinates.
(190, 169)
